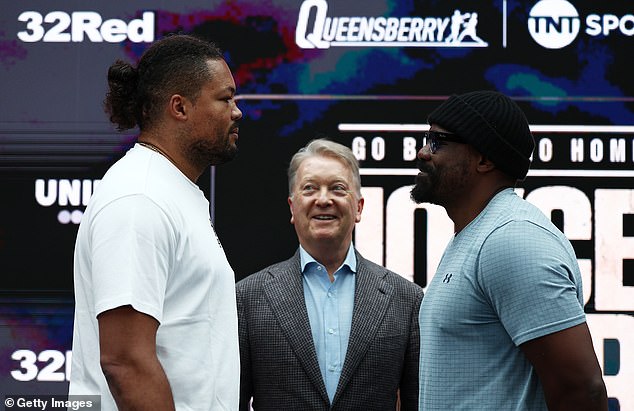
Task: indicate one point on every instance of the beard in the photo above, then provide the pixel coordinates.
(424, 189)
(219, 151)
(444, 184)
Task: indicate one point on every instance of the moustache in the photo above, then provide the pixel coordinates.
(423, 166)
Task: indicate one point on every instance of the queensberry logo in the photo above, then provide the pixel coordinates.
(458, 30)
(554, 24)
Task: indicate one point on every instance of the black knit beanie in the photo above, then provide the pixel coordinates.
(493, 124)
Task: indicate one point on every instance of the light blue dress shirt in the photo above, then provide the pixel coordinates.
(329, 308)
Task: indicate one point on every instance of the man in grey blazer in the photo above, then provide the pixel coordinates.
(327, 329)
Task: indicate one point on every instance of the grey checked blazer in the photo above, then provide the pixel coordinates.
(279, 366)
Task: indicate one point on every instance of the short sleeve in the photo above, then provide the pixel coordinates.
(131, 239)
(531, 281)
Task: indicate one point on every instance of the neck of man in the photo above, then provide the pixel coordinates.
(468, 207)
(330, 255)
(166, 147)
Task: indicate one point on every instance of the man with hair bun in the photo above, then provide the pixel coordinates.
(502, 322)
(155, 324)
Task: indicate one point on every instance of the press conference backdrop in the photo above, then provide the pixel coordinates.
(365, 74)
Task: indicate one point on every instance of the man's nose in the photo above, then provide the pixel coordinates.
(236, 113)
(324, 196)
(424, 153)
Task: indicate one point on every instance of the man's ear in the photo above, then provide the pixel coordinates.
(360, 203)
(484, 164)
(290, 206)
(178, 108)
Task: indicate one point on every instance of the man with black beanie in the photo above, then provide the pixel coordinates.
(502, 322)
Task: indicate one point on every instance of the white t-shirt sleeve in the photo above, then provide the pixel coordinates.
(131, 239)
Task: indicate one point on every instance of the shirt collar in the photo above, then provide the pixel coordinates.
(350, 260)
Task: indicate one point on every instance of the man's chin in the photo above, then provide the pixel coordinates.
(420, 194)
(229, 154)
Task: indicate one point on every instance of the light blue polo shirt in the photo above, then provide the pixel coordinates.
(329, 308)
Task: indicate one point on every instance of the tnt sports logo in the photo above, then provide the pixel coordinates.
(554, 24)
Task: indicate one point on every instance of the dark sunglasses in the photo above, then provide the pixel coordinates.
(435, 139)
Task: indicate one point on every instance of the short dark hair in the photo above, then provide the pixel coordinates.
(176, 64)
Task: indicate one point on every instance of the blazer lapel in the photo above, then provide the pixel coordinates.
(285, 293)
(372, 297)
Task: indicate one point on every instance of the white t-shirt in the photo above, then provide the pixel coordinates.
(146, 240)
